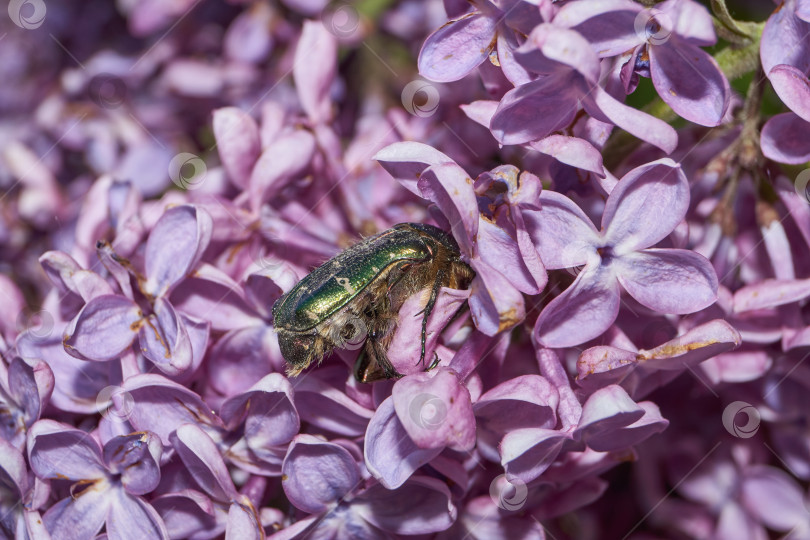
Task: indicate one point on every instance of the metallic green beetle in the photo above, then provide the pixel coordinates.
(357, 295)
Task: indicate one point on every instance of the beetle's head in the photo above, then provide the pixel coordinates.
(299, 350)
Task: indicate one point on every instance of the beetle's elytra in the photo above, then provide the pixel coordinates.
(359, 292)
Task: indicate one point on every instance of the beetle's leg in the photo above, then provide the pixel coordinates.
(434, 294)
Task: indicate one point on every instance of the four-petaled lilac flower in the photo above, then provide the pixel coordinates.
(324, 479)
(644, 207)
(107, 484)
(785, 55)
(106, 327)
(568, 81)
(454, 50)
(664, 44)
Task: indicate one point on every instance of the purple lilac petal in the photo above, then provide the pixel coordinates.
(784, 138)
(66, 274)
(162, 406)
(457, 48)
(770, 293)
(79, 516)
(13, 468)
(562, 233)
(651, 275)
(610, 35)
(435, 410)
(482, 519)
(30, 383)
(243, 523)
(572, 151)
(605, 412)
(314, 70)
(581, 312)
(690, 20)
(317, 473)
(204, 462)
(633, 218)
(450, 188)
(186, 513)
(646, 426)
(774, 498)
(421, 506)
(282, 160)
(526, 400)
(133, 517)
(784, 44)
(213, 295)
(330, 409)
(238, 143)
(603, 107)
(103, 329)
(690, 81)
(493, 311)
(793, 87)
(537, 109)
(406, 161)
(391, 456)
(499, 250)
(404, 350)
(267, 410)
(174, 247)
(528, 452)
(56, 450)
(76, 382)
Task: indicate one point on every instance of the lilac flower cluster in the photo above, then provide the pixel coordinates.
(169, 169)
